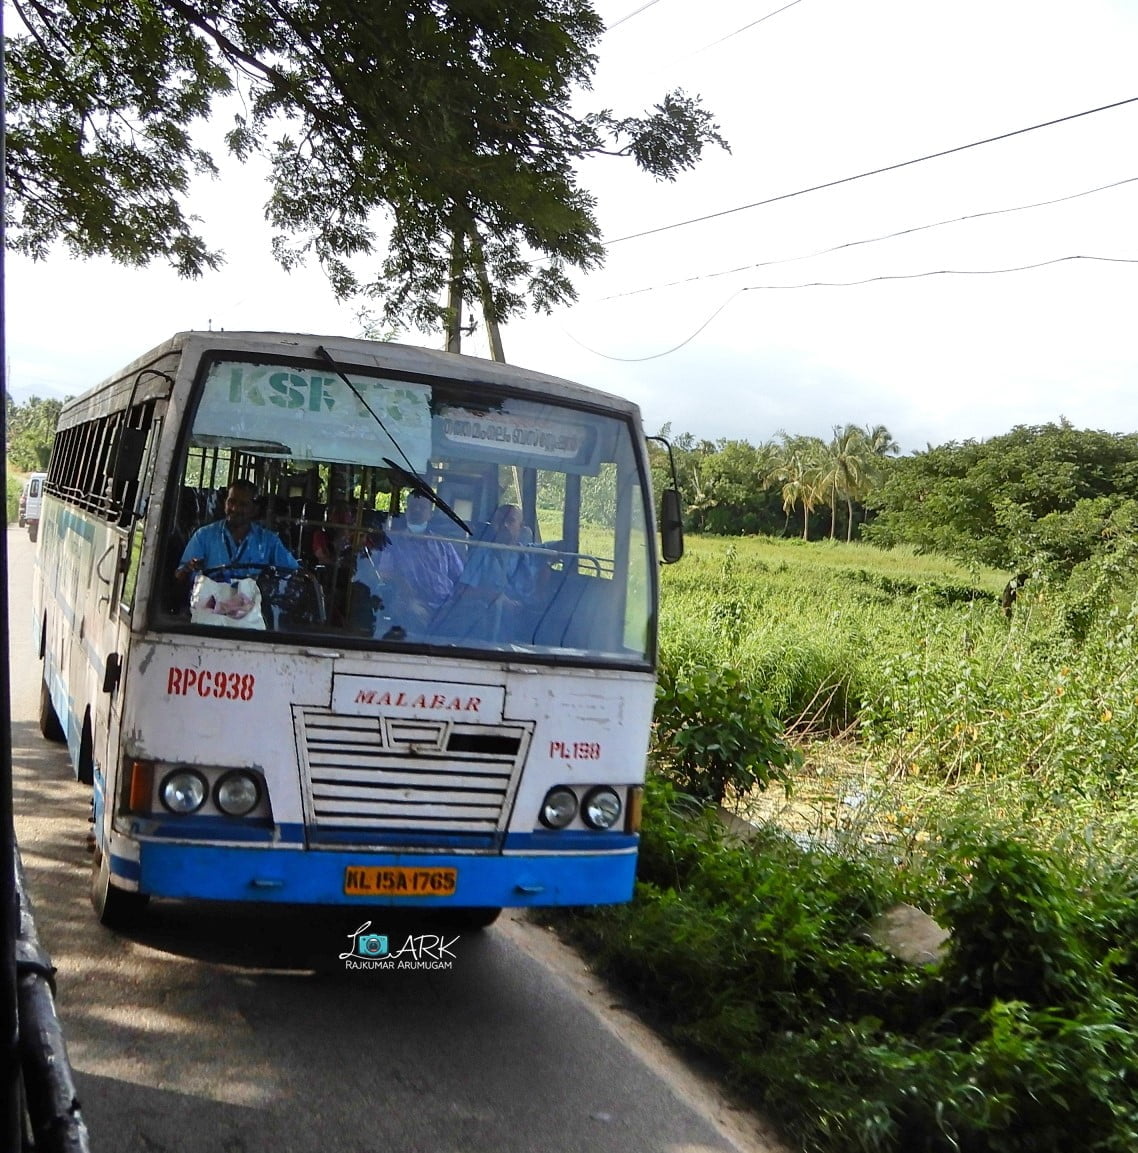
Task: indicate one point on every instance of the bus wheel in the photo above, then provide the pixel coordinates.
(472, 920)
(33, 527)
(115, 908)
(50, 727)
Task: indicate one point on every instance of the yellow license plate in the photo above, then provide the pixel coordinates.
(398, 881)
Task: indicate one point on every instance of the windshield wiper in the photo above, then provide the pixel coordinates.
(418, 485)
(407, 475)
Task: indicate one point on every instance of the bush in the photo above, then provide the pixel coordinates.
(1023, 1040)
(716, 733)
(15, 485)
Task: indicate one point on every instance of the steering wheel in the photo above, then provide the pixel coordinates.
(243, 565)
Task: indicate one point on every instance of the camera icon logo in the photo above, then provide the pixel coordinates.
(371, 945)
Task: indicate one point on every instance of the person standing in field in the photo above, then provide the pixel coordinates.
(1008, 596)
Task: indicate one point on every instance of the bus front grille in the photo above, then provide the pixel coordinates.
(410, 783)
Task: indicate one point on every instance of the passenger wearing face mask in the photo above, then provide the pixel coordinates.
(496, 592)
(418, 572)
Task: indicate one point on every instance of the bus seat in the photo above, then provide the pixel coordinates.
(594, 624)
(578, 612)
(555, 617)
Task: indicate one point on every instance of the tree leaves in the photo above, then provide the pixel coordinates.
(1048, 495)
(98, 152)
(31, 430)
(450, 117)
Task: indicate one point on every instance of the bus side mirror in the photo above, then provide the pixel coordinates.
(671, 526)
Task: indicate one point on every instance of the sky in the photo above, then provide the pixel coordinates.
(733, 327)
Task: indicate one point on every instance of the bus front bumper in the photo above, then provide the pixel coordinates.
(300, 876)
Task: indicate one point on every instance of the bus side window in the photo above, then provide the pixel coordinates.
(139, 495)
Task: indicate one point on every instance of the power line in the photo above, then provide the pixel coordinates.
(850, 284)
(743, 29)
(868, 240)
(872, 172)
(635, 12)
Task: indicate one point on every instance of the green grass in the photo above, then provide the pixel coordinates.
(980, 768)
(811, 556)
(920, 666)
(811, 622)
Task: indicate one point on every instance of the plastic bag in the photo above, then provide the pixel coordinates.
(222, 604)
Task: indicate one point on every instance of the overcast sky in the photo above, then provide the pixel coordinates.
(695, 321)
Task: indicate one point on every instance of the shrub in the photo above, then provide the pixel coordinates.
(1018, 927)
(716, 733)
(1022, 1041)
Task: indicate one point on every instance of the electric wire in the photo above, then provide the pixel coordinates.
(866, 240)
(848, 284)
(729, 35)
(872, 172)
(635, 12)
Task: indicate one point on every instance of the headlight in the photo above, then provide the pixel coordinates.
(558, 808)
(601, 808)
(237, 794)
(183, 791)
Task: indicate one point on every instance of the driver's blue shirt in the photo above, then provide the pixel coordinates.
(218, 550)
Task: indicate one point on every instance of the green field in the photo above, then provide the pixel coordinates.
(916, 746)
(910, 665)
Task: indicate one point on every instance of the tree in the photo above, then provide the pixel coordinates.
(31, 430)
(799, 476)
(452, 117)
(844, 472)
(737, 474)
(879, 441)
(1048, 493)
(880, 448)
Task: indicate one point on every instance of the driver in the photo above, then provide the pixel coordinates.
(236, 546)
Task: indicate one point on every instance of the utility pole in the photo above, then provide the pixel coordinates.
(454, 296)
(485, 294)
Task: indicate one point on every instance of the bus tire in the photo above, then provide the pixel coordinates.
(115, 908)
(50, 727)
(33, 530)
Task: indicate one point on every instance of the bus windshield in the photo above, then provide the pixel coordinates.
(406, 512)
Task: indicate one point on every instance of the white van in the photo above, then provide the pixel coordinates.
(30, 501)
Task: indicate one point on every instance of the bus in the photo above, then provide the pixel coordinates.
(321, 727)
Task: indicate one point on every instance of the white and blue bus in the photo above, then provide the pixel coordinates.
(439, 693)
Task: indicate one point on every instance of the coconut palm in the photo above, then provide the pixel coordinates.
(799, 475)
(879, 440)
(702, 498)
(844, 473)
(879, 446)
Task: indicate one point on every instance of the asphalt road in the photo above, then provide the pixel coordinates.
(229, 1030)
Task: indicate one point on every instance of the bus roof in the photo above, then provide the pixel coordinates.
(398, 358)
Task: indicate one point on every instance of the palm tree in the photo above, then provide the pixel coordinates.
(844, 473)
(879, 445)
(702, 497)
(879, 440)
(799, 475)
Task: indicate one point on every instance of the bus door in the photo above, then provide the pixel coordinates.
(118, 573)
